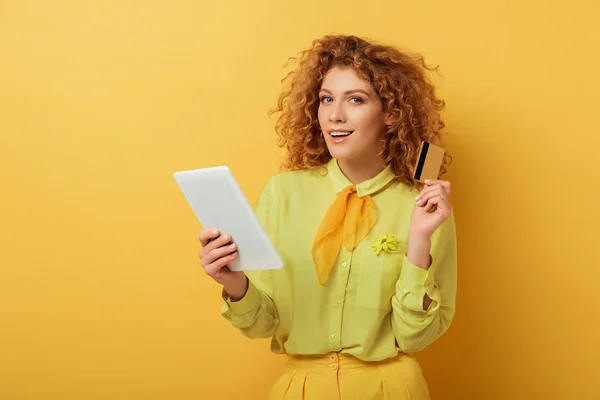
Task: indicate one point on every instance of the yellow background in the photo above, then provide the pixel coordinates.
(101, 292)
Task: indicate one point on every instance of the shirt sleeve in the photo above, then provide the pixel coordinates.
(255, 314)
(414, 327)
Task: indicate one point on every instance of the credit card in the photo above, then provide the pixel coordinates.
(429, 162)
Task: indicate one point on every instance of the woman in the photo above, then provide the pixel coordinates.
(369, 267)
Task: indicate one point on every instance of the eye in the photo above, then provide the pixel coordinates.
(325, 98)
(359, 100)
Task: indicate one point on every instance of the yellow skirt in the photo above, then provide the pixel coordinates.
(341, 376)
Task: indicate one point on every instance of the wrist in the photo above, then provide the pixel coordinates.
(419, 248)
(418, 235)
(236, 287)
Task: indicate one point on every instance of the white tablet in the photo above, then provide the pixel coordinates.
(218, 202)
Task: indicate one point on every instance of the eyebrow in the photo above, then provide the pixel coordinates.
(347, 92)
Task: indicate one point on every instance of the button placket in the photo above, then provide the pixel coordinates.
(345, 271)
(338, 298)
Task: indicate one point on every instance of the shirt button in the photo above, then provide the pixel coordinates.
(338, 302)
(333, 367)
(334, 336)
(345, 264)
(332, 357)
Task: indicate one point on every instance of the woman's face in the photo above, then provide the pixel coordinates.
(351, 117)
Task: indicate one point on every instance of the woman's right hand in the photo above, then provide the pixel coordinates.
(217, 252)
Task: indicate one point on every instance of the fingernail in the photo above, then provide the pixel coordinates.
(215, 231)
(427, 180)
(419, 202)
(226, 237)
(232, 246)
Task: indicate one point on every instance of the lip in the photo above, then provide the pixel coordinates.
(338, 139)
(339, 130)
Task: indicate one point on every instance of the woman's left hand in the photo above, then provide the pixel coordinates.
(431, 209)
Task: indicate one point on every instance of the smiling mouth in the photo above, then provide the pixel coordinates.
(341, 134)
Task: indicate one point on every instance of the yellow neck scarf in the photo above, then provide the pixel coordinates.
(348, 220)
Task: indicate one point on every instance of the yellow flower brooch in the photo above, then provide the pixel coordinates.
(385, 242)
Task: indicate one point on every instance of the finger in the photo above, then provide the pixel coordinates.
(214, 268)
(207, 235)
(433, 193)
(217, 253)
(432, 203)
(441, 206)
(215, 243)
(428, 189)
(445, 184)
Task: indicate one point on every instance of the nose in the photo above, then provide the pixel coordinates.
(337, 114)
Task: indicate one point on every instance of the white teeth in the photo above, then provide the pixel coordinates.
(335, 134)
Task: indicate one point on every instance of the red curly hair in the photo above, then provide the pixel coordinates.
(398, 78)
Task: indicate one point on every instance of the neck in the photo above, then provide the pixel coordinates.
(359, 171)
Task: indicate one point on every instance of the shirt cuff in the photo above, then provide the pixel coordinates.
(412, 276)
(246, 304)
(414, 283)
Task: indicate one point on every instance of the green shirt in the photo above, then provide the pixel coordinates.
(372, 304)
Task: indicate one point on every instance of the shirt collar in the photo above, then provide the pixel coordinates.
(373, 185)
